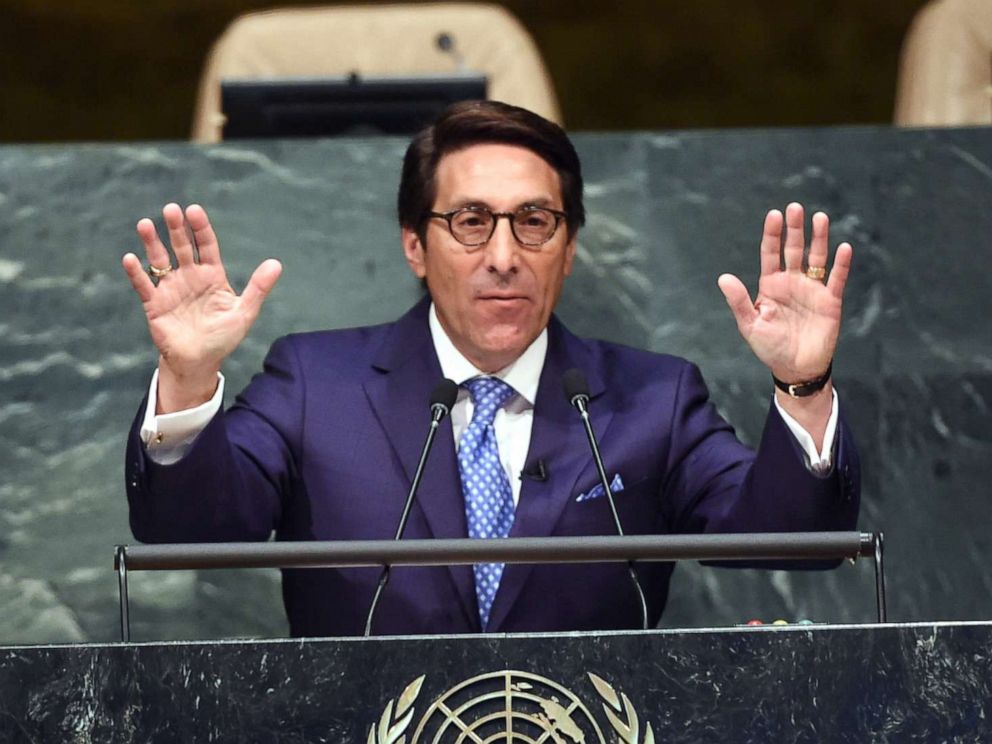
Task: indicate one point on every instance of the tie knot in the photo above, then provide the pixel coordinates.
(488, 395)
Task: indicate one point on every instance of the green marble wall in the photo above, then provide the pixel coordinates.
(667, 214)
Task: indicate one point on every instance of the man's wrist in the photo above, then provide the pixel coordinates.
(168, 437)
(181, 392)
(811, 412)
(804, 388)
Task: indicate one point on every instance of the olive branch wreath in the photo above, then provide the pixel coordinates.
(398, 714)
(393, 725)
(621, 714)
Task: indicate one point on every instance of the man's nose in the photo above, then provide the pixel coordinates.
(502, 249)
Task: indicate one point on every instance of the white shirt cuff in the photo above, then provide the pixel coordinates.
(168, 436)
(819, 462)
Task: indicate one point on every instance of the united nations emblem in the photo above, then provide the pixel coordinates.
(507, 707)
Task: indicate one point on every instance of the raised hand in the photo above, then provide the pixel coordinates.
(793, 324)
(194, 316)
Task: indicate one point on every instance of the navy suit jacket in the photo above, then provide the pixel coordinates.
(323, 443)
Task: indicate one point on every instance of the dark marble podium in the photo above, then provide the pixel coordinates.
(900, 683)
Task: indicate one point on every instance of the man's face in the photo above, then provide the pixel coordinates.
(492, 301)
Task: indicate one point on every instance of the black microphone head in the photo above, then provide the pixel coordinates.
(576, 387)
(443, 396)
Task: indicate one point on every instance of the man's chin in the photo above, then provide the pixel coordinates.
(509, 344)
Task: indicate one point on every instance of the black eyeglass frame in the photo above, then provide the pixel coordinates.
(558, 214)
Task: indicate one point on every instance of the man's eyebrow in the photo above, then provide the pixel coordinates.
(466, 202)
(469, 202)
(541, 201)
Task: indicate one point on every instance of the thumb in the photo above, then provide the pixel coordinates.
(261, 283)
(737, 297)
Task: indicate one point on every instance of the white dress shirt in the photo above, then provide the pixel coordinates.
(168, 436)
(515, 419)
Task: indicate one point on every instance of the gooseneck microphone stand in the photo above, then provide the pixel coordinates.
(577, 392)
(442, 399)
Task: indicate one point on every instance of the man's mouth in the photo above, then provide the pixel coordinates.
(502, 296)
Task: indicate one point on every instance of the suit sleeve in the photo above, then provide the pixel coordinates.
(715, 484)
(233, 482)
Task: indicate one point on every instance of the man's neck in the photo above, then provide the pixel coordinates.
(522, 373)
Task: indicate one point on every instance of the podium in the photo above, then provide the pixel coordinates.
(888, 682)
(636, 687)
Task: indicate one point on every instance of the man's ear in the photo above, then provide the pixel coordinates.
(413, 249)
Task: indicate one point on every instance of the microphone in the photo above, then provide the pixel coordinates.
(442, 399)
(576, 388)
(577, 392)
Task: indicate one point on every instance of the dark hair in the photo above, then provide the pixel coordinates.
(486, 122)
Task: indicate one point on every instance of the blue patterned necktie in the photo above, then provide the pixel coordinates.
(488, 496)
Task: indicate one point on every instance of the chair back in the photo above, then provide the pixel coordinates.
(376, 40)
(945, 72)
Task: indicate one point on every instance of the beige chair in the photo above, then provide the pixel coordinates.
(945, 74)
(376, 40)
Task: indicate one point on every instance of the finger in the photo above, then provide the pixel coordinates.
(154, 249)
(140, 280)
(179, 238)
(771, 243)
(795, 239)
(203, 234)
(261, 283)
(737, 297)
(840, 270)
(819, 243)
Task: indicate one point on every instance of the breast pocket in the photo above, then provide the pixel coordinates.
(638, 506)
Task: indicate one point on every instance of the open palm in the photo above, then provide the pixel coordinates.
(194, 316)
(793, 324)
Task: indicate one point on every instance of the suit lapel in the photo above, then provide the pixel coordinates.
(558, 438)
(400, 398)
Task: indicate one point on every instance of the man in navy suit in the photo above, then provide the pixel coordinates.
(323, 443)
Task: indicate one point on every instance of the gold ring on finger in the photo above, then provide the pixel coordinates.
(156, 273)
(816, 272)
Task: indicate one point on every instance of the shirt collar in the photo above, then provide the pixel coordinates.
(523, 374)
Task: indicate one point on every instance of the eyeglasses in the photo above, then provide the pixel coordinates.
(474, 226)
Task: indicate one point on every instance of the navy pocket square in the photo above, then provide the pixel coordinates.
(616, 486)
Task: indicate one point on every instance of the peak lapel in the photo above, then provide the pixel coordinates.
(400, 397)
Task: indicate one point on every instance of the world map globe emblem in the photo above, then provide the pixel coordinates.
(510, 707)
